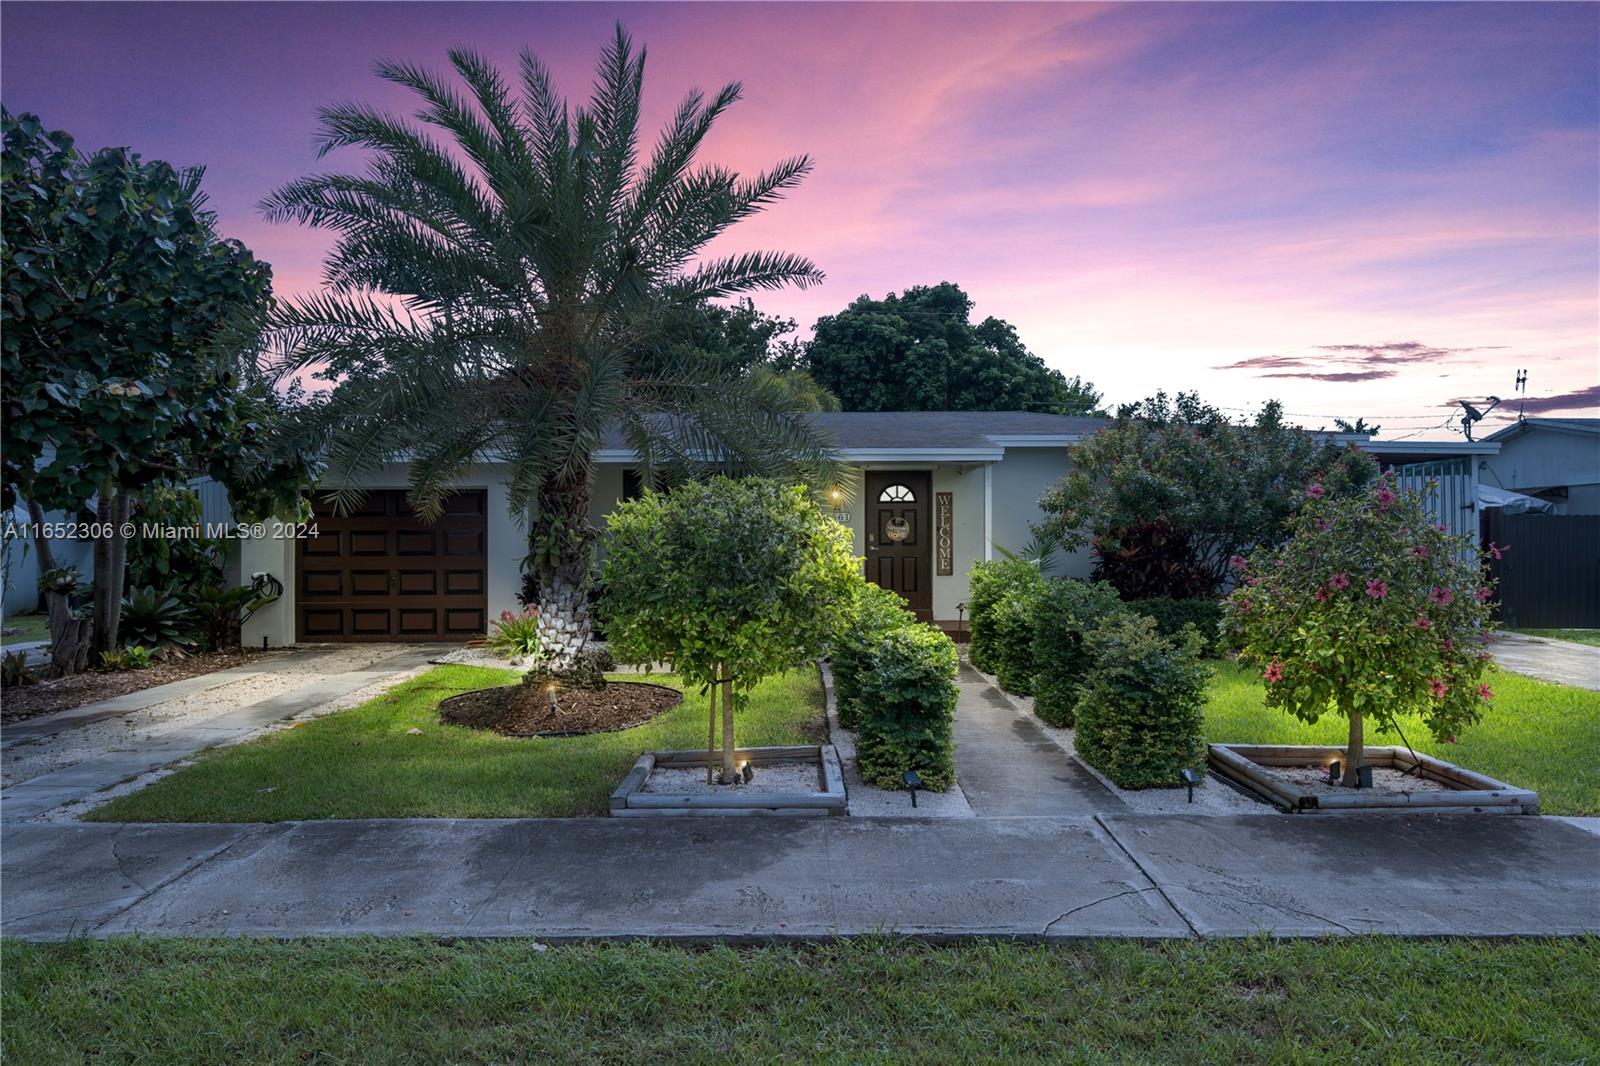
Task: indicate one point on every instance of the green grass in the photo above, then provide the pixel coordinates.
(33, 627)
(361, 763)
(1590, 637)
(872, 1000)
(1534, 735)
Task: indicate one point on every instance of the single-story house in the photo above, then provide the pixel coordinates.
(1555, 459)
(937, 492)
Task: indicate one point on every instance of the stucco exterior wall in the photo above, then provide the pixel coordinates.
(1549, 458)
(1019, 480)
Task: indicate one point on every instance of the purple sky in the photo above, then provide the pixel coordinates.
(1360, 209)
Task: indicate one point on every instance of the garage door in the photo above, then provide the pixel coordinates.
(381, 573)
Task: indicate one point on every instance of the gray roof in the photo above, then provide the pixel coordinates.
(946, 429)
(1587, 426)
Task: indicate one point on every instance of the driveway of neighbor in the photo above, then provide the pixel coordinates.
(61, 758)
(1151, 876)
(1561, 661)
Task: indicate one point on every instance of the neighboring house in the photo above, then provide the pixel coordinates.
(1453, 467)
(937, 491)
(1555, 459)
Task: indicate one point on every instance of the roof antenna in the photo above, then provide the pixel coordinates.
(1522, 393)
(1472, 414)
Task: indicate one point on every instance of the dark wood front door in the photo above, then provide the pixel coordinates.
(899, 539)
(381, 573)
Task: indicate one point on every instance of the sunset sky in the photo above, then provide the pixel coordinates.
(1362, 209)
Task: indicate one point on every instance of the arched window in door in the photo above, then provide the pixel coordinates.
(897, 494)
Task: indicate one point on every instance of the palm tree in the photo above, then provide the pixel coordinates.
(488, 294)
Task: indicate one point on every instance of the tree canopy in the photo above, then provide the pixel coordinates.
(920, 351)
(1173, 489)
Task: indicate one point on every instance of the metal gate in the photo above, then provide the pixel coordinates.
(1549, 570)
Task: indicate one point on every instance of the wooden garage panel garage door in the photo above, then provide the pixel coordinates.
(381, 573)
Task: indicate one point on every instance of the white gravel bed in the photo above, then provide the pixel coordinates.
(1314, 781)
(1211, 796)
(870, 801)
(783, 777)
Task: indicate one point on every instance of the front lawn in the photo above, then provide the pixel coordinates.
(29, 627)
(870, 1000)
(362, 763)
(1590, 637)
(1534, 735)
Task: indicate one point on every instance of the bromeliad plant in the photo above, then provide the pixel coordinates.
(516, 632)
(1370, 611)
(729, 582)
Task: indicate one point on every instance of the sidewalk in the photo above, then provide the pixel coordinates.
(1150, 876)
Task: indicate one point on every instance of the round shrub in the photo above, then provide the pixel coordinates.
(1012, 623)
(875, 612)
(1172, 615)
(1142, 711)
(1066, 612)
(907, 709)
(988, 584)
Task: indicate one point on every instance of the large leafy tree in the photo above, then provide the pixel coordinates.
(498, 272)
(129, 343)
(1173, 489)
(742, 339)
(920, 351)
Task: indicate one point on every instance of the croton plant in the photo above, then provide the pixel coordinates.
(1370, 610)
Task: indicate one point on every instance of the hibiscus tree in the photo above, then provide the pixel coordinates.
(1370, 611)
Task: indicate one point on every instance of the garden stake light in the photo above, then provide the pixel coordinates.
(913, 782)
(1190, 779)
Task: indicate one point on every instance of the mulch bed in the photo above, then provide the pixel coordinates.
(20, 702)
(524, 710)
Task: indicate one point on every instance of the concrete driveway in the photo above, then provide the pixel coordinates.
(1560, 661)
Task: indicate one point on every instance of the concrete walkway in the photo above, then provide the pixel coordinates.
(142, 753)
(1007, 766)
(1560, 661)
(760, 879)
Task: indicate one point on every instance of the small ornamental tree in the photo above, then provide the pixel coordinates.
(728, 581)
(1370, 610)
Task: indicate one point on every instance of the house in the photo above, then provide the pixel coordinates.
(938, 491)
(1555, 459)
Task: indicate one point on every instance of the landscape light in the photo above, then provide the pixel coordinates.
(913, 782)
(1334, 769)
(1190, 779)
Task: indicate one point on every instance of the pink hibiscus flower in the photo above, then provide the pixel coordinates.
(1485, 692)
(1438, 688)
(1419, 551)
(1423, 624)
(1447, 645)
(1321, 595)
(1273, 672)
(1386, 496)
(1237, 562)
(1377, 589)
(1316, 491)
(1498, 550)
(1484, 593)
(1339, 582)
(1442, 596)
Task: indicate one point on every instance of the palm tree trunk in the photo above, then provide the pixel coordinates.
(563, 519)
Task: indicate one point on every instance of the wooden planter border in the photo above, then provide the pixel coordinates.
(1470, 792)
(630, 801)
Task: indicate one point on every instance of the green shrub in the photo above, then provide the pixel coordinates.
(907, 708)
(1140, 718)
(14, 671)
(875, 612)
(1067, 611)
(1012, 623)
(987, 586)
(152, 617)
(515, 633)
(1172, 615)
(133, 657)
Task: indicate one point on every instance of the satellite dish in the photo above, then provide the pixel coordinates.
(1474, 415)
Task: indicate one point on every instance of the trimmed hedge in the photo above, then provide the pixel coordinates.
(1066, 611)
(876, 612)
(1171, 616)
(989, 584)
(907, 707)
(1141, 714)
(1014, 619)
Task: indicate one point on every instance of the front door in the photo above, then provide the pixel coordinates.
(899, 541)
